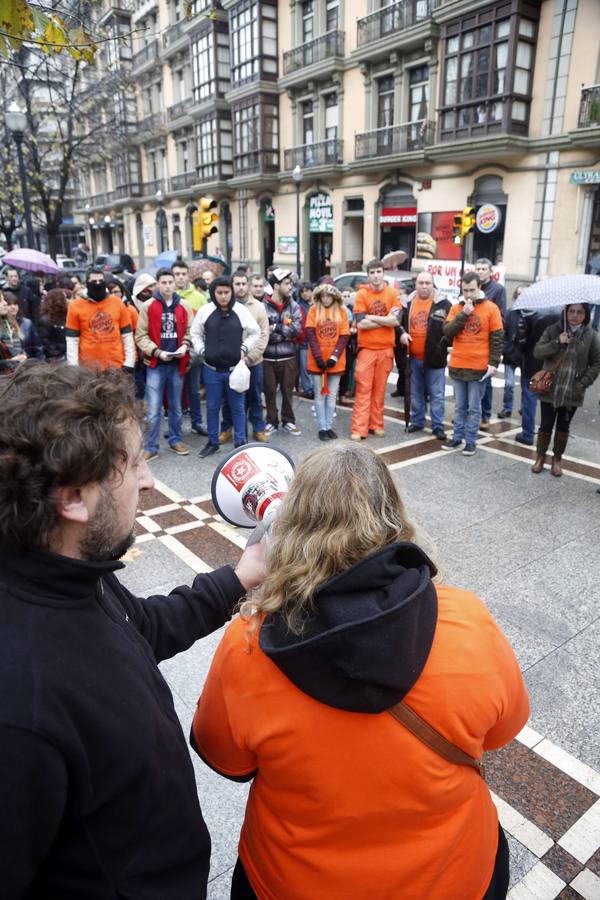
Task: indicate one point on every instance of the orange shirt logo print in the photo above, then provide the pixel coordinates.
(419, 321)
(378, 308)
(327, 330)
(473, 325)
(101, 324)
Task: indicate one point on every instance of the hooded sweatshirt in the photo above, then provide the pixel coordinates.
(345, 798)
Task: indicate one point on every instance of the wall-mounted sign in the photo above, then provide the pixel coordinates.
(488, 218)
(393, 215)
(320, 213)
(287, 245)
(268, 213)
(148, 236)
(589, 176)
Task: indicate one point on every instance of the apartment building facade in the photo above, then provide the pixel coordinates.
(356, 128)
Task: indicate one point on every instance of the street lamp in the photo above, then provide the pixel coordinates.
(16, 122)
(159, 221)
(297, 176)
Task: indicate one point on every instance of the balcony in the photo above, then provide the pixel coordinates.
(408, 138)
(256, 162)
(149, 188)
(115, 8)
(183, 181)
(146, 55)
(321, 49)
(123, 191)
(180, 109)
(589, 107)
(150, 126)
(391, 19)
(174, 37)
(309, 156)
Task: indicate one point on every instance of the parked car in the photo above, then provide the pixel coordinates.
(116, 262)
(66, 262)
(352, 281)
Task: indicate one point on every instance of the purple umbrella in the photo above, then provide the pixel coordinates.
(31, 261)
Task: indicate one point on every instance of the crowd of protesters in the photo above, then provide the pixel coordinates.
(181, 339)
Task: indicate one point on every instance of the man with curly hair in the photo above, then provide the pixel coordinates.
(98, 791)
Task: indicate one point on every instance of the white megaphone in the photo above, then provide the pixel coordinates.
(249, 485)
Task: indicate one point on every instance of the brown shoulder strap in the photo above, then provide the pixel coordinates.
(433, 739)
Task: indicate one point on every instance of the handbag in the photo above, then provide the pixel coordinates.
(543, 380)
(433, 739)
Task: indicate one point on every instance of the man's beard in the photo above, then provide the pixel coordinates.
(98, 544)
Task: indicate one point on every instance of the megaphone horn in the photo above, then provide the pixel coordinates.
(250, 483)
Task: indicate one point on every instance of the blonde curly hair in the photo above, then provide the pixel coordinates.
(343, 505)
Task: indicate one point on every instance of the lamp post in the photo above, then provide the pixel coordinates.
(16, 122)
(297, 176)
(159, 220)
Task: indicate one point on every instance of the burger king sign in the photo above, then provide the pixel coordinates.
(488, 218)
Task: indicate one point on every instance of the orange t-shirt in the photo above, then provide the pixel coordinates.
(341, 798)
(328, 332)
(417, 325)
(376, 303)
(99, 327)
(471, 347)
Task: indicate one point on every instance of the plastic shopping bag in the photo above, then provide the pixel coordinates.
(239, 379)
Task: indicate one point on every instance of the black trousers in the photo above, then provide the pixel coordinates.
(562, 415)
(497, 888)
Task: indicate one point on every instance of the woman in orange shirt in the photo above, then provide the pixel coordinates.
(327, 334)
(345, 801)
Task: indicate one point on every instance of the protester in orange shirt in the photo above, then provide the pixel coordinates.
(327, 334)
(426, 316)
(98, 328)
(474, 325)
(346, 802)
(376, 311)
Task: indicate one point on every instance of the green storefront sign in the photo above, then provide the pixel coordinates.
(320, 213)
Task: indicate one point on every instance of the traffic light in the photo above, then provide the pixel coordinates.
(463, 225)
(209, 217)
(457, 229)
(196, 231)
(468, 221)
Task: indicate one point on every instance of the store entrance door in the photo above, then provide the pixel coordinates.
(398, 222)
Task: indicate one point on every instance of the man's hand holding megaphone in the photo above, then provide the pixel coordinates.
(251, 568)
(248, 487)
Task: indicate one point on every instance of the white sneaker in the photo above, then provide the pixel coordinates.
(291, 428)
(270, 429)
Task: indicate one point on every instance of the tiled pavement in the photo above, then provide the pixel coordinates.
(526, 544)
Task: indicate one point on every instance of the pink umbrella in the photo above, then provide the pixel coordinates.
(31, 261)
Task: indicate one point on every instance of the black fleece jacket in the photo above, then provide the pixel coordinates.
(98, 791)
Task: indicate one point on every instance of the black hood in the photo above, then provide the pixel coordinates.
(371, 636)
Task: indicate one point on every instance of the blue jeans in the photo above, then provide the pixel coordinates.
(305, 379)
(509, 388)
(253, 400)
(217, 388)
(528, 409)
(467, 409)
(325, 403)
(432, 379)
(194, 379)
(163, 374)
(486, 399)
